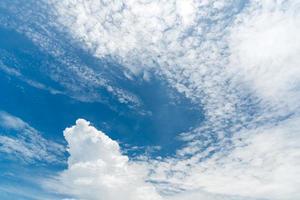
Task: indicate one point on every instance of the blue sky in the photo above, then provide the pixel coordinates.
(155, 100)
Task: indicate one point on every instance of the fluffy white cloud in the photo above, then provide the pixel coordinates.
(97, 170)
(264, 45)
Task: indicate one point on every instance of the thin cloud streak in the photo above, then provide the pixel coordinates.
(25, 143)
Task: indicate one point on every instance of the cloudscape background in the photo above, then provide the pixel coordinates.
(150, 100)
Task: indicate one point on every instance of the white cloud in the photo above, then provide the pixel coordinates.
(11, 122)
(16, 73)
(189, 55)
(34, 22)
(213, 58)
(19, 140)
(241, 66)
(97, 169)
(263, 164)
(264, 46)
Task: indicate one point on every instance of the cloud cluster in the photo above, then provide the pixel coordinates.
(263, 165)
(238, 60)
(156, 36)
(207, 50)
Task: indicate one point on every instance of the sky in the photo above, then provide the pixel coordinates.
(150, 100)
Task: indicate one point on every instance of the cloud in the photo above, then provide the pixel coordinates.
(262, 165)
(155, 37)
(11, 122)
(265, 45)
(211, 58)
(238, 60)
(67, 67)
(19, 140)
(97, 169)
(16, 73)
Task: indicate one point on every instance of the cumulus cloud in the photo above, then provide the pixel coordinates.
(19, 140)
(97, 169)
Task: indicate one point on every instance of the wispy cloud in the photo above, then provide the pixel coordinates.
(11, 71)
(73, 73)
(25, 143)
